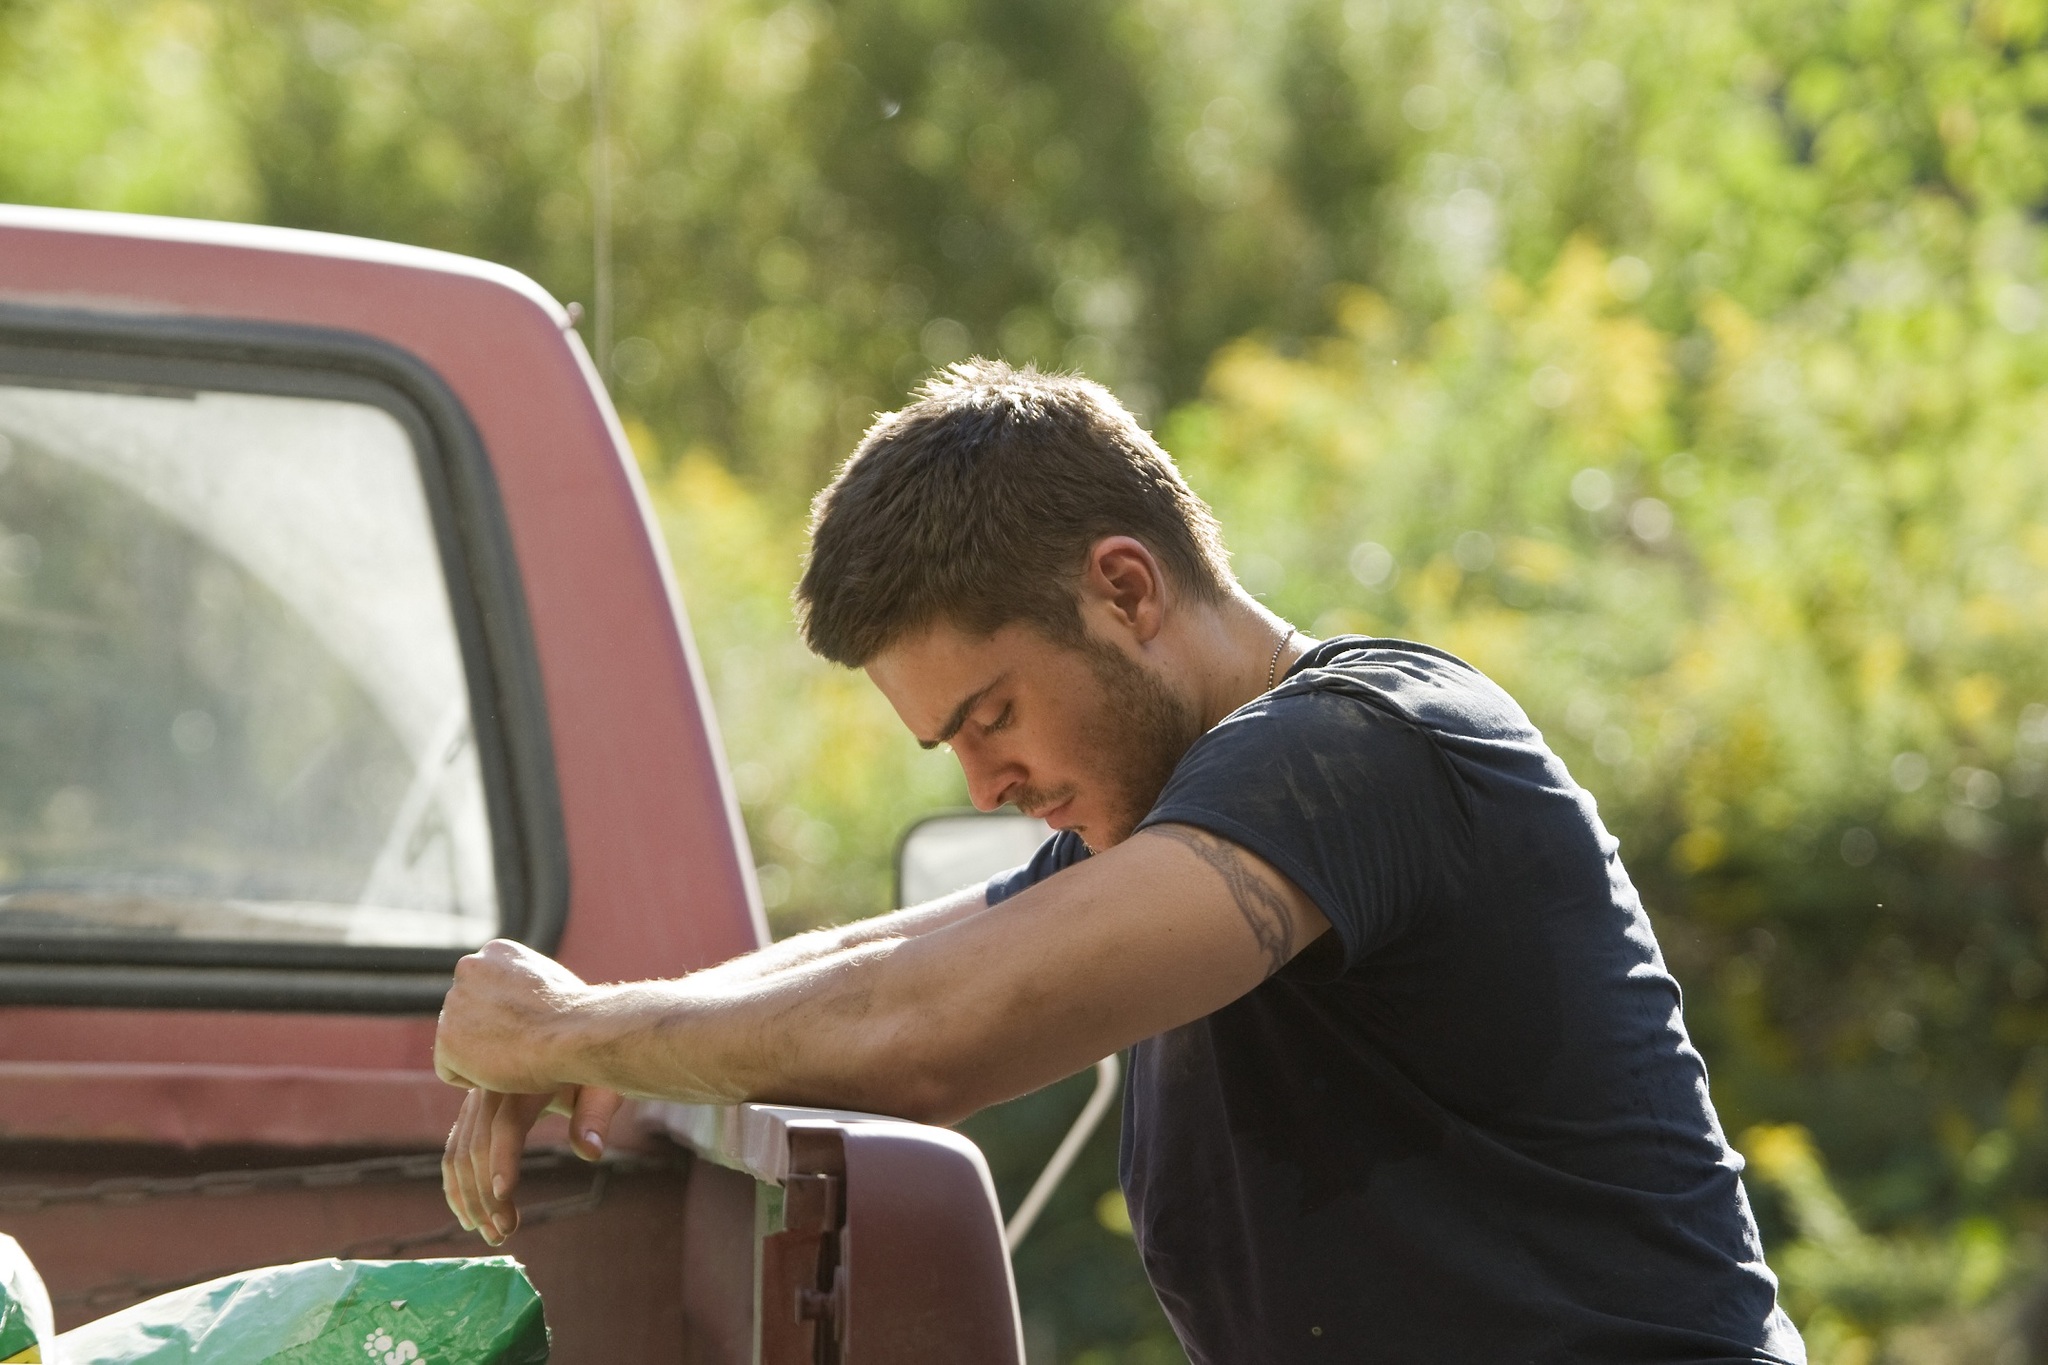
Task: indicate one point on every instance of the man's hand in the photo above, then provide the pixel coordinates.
(496, 1023)
(480, 1167)
(495, 1027)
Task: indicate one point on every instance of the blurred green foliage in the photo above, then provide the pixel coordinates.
(1679, 364)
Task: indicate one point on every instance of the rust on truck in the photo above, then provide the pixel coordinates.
(190, 1090)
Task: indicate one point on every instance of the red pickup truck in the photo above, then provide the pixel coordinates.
(335, 641)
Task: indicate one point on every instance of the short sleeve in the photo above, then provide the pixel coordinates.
(1056, 854)
(1351, 801)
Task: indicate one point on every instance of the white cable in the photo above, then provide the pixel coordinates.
(1108, 1072)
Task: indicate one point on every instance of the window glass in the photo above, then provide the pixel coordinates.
(232, 703)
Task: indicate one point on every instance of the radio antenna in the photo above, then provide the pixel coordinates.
(600, 197)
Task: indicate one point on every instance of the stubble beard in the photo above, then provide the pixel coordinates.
(1139, 729)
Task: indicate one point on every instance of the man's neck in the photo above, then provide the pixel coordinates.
(1231, 652)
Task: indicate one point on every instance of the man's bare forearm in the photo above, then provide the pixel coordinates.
(829, 1028)
(979, 1006)
(800, 949)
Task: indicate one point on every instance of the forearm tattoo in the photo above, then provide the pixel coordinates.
(1265, 912)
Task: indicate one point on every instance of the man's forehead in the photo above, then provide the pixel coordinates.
(946, 653)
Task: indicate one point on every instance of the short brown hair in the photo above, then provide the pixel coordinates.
(976, 505)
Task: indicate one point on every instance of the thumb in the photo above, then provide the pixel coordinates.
(590, 1122)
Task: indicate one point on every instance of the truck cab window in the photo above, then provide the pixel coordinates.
(232, 697)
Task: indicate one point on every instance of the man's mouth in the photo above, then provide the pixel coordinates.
(1052, 814)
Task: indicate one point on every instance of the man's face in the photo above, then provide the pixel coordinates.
(1083, 736)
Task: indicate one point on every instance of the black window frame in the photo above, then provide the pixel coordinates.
(101, 352)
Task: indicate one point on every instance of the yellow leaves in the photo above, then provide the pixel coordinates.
(646, 446)
(2020, 23)
(1828, 1342)
(1378, 387)
(1506, 296)
(1879, 663)
(1957, 125)
(1976, 698)
(187, 21)
(1848, 1285)
(1783, 1154)
(1638, 377)
(1435, 587)
(1577, 284)
(1273, 426)
(1113, 1214)
(1700, 848)
(1489, 638)
(1368, 319)
(1608, 371)
(722, 534)
(1737, 766)
(1735, 332)
(1259, 384)
(1544, 563)
(1696, 666)
(704, 487)
(1986, 617)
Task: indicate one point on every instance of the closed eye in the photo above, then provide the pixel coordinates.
(1001, 722)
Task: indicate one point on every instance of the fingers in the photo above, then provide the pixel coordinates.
(486, 1138)
(487, 1215)
(458, 1181)
(590, 1121)
(480, 1165)
(500, 1149)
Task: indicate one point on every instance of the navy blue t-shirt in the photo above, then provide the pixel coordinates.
(1467, 1123)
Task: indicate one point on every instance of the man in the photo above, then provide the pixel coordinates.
(1409, 1080)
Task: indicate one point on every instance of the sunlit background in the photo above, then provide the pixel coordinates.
(1679, 362)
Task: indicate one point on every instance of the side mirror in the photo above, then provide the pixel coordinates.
(940, 854)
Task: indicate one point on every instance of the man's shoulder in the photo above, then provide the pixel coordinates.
(1394, 666)
(1421, 685)
(1367, 651)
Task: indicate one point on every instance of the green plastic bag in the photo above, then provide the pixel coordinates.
(480, 1311)
(25, 1323)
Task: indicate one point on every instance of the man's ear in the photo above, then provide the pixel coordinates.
(1125, 582)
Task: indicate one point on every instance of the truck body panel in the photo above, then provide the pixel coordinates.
(140, 1076)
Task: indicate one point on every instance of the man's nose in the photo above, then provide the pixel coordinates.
(989, 782)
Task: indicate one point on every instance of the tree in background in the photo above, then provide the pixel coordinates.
(1679, 364)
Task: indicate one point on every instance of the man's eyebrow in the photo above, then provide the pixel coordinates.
(959, 716)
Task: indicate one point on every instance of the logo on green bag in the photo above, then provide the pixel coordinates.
(380, 1347)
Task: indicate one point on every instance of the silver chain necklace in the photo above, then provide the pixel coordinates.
(1273, 667)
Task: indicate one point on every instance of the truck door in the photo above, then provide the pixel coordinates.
(334, 641)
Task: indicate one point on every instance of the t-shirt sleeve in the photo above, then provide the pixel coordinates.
(1352, 802)
(1061, 851)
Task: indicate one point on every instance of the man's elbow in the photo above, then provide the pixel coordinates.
(920, 1088)
(926, 1101)
(926, 1076)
